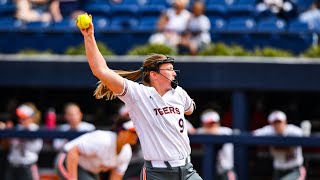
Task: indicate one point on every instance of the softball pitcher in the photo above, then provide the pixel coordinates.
(156, 107)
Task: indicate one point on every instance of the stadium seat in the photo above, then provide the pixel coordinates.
(147, 24)
(7, 8)
(124, 3)
(296, 26)
(163, 3)
(97, 9)
(96, 1)
(127, 10)
(64, 25)
(218, 6)
(100, 23)
(154, 11)
(242, 24)
(122, 18)
(242, 8)
(272, 25)
(220, 2)
(296, 43)
(302, 5)
(125, 6)
(37, 26)
(234, 31)
(9, 23)
(217, 23)
(245, 2)
(123, 23)
(152, 8)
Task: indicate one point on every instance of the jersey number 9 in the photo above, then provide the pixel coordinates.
(181, 125)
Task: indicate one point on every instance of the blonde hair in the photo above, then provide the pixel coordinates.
(102, 91)
(37, 114)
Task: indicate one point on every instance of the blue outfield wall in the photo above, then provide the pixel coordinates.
(196, 72)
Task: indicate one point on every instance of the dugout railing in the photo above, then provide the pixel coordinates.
(241, 141)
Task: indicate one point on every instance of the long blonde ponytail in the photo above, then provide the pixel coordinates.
(102, 91)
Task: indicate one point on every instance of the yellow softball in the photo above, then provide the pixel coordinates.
(83, 21)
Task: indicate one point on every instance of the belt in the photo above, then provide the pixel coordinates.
(21, 165)
(289, 169)
(169, 164)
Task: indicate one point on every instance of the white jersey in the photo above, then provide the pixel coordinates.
(25, 151)
(177, 22)
(284, 160)
(159, 121)
(98, 152)
(202, 25)
(225, 154)
(83, 126)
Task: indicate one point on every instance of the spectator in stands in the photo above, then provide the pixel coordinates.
(171, 24)
(23, 153)
(312, 16)
(287, 161)
(98, 151)
(285, 9)
(211, 125)
(36, 10)
(197, 35)
(73, 116)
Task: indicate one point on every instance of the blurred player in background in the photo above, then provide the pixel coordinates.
(156, 107)
(137, 161)
(98, 151)
(24, 153)
(190, 128)
(74, 117)
(211, 125)
(287, 161)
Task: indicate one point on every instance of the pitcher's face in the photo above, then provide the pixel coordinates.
(168, 71)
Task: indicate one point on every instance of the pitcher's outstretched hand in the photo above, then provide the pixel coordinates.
(89, 32)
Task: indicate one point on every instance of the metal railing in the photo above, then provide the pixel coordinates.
(208, 142)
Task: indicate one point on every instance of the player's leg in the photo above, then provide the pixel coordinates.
(297, 173)
(190, 173)
(85, 175)
(228, 175)
(25, 173)
(63, 174)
